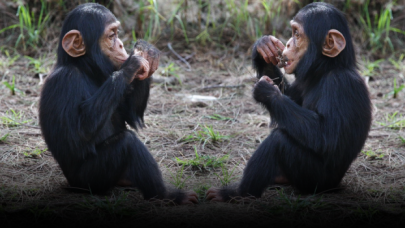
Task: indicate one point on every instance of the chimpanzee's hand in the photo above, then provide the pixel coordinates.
(269, 47)
(265, 90)
(135, 67)
(149, 52)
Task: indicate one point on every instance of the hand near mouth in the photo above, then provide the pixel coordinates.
(270, 48)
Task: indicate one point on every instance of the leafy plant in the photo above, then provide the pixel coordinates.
(370, 66)
(396, 89)
(201, 190)
(393, 121)
(30, 29)
(12, 87)
(206, 134)
(4, 138)
(378, 31)
(171, 70)
(227, 176)
(13, 118)
(371, 155)
(178, 180)
(218, 117)
(203, 162)
(39, 66)
(9, 60)
(36, 153)
(398, 63)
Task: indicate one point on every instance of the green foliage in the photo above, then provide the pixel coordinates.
(36, 153)
(402, 139)
(31, 27)
(206, 134)
(396, 89)
(227, 177)
(39, 64)
(9, 61)
(377, 31)
(371, 155)
(218, 117)
(178, 180)
(4, 138)
(393, 121)
(13, 118)
(398, 64)
(171, 70)
(201, 190)
(203, 162)
(370, 65)
(12, 87)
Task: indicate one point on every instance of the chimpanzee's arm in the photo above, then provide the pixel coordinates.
(136, 101)
(98, 109)
(303, 124)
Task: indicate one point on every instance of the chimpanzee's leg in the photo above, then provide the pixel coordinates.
(122, 156)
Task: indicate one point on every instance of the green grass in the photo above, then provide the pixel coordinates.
(205, 135)
(393, 121)
(372, 155)
(370, 67)
(378, 29)
(36, 153)
(13, 118)
(396, 89)
(218, 117)
(31, 26)
(12, 87)
(39, 64)
(227, 176)
(9, 61)
(178, 180)
(171, 70)
(203, 163)
(3, 138)
(201, 191)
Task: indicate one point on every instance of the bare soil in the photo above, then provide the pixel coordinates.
(33, 188)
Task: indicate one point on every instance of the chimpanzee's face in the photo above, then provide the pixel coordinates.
(112, 46)
(296, 47)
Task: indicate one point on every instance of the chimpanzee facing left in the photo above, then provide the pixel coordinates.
(323, 118)
(93, 91)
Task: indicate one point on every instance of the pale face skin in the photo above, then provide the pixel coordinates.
(295, 48)
(112, 46)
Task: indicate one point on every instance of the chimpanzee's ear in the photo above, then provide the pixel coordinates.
(334, 43)
(73, 43)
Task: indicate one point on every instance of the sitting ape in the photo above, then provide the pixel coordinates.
(323, 118)
(94, 89)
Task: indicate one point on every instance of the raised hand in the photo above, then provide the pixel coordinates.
(270, 48)
(150, 53)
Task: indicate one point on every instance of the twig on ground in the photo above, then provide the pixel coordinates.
(169, 45)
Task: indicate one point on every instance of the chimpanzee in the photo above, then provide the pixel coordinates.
(323, 118)
(94, 89)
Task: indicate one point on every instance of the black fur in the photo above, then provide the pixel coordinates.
(84, 106)
(323, 119)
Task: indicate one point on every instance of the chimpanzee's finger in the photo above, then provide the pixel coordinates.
(277, 43)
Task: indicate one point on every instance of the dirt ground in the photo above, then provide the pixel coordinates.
(33, 188)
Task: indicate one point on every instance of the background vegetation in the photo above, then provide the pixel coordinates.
(204, 140)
